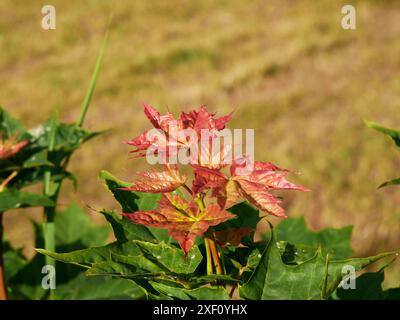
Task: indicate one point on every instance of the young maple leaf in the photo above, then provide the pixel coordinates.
(202, 119)
(172, 135)
(253, 185)
(169, 136)
(183, 219)
(158, 182)
(231, 237)
(10, 147)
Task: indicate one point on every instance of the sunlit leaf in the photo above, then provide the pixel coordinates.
(158, 182)
(273, 279)
(336, 242)
(184, 220)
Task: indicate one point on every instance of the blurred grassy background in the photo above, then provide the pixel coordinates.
(287, 67)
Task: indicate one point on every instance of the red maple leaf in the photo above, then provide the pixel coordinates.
(174, 134)
(168, 135)
(184, 220)
(202, 119)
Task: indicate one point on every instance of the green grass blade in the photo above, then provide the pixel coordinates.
(93, 80)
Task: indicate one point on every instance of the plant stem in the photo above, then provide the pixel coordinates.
(235, 285)
(211, 246)
(3, 286)
(209, 258)
(50, 190)
(215, 255)
(7, 180)
(207, 240)
(200, 202)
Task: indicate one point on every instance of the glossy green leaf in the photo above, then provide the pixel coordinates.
(74, 232)
(200, 280)
(295, 254)
(368, 287)
(13, 199)
(67, 138)
(119, 270)
(37, 159)
(171, 257)
(140, 262)
(247, 216)
(315, 278)
(130, 201)
(75, 229)
(125, 230)
(181, 293)
(134, 201)
(205, 293)
(335, 268)
(100, 288)
(174, 292)
(86, 257)
(336, 242)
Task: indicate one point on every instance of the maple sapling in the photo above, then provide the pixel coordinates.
(212, 192)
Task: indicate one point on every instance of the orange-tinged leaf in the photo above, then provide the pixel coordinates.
(202, 119)
(175, 134)
(158, 182)
(166, 140)
(232, 189)
(253, 185)
(258, 196)
(153, 115)
(183, 219)
(206, 178)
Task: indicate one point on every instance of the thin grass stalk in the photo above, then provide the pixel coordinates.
(93, 81)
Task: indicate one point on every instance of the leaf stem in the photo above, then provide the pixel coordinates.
(211, 247)
(235, 285)
(209, 258)
(215, 255)
(7, 180)
(207, 240)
